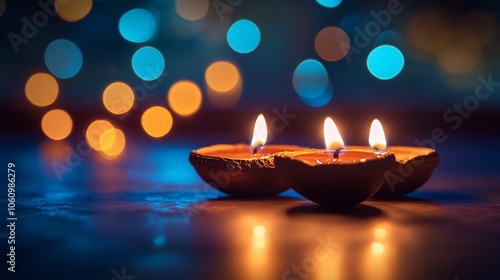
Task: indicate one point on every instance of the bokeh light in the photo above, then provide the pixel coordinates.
(225, 99)
(156, 121)
(184, 97)
(118, 98)
(63, 58)
(137, 25)
(148, 63)
(385, 62)
(118, 144)
(41, 89)
(243, 36)
(100, 135)
(57, 124)
(482, 24)
(72, 10)
(428, 27)
(455, 57)
(332, 43)
(321, 100)
(329, 3)
(192, 9)
(222, 76)
(389, 37)
(310, 78)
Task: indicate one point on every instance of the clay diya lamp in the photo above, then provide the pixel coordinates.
(242, 170)
(334, 177)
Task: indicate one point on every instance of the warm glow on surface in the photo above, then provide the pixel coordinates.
(222, 76)
(184, 97)
(380, 233)
(259, 231)
(57, 124)
(100, 135)
(118, 144)
(192, 9)
(333, 140)
(332, 43)
(259, 133)
(157, 121)
(72, 10)
(41, 89)
(378, 248)
(377, 136)
(118, 98)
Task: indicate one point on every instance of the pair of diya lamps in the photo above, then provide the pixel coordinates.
(337, 176)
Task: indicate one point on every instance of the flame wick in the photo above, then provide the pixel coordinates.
(257, 148)
(336, 153)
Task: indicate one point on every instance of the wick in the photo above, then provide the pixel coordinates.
(336, 153)
(257, 148)
(375, 148)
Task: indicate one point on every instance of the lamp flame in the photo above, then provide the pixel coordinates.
(377, 136)
(333, 140)
(259, 134)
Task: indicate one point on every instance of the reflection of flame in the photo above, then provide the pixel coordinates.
(259, 134)
(377, 136)
(378, 248)
(380, 233)
(333, 140)
(259, 231)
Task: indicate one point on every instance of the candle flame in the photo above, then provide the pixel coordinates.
(333, 140)
(377, 137)
(259, 134)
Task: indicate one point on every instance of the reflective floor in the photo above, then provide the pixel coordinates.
(149, 216)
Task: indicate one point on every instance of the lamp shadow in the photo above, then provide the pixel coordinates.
(359, 211)
(429, 197)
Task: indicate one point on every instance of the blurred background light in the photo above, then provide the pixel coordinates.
(63, 58)
(222, 76)
(482, 24)
(455, 57)
(57, 124)
(156, 121)
(118, 98)
(243, 36)
(41, 89)
(192, 9)
(378, 248)
(332, 43)
(100, 135)
(148, 63)
(329, 3)
(137, 25)
(118, 146)
(72, 10)
(225, 99)
(385, 62)
(321, 100)
(389, 37)
(184, 97)
(428, 27)
(310, 78)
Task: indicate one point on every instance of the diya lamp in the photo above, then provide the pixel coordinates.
(335, 176)
(240, 169)
(412, 168)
